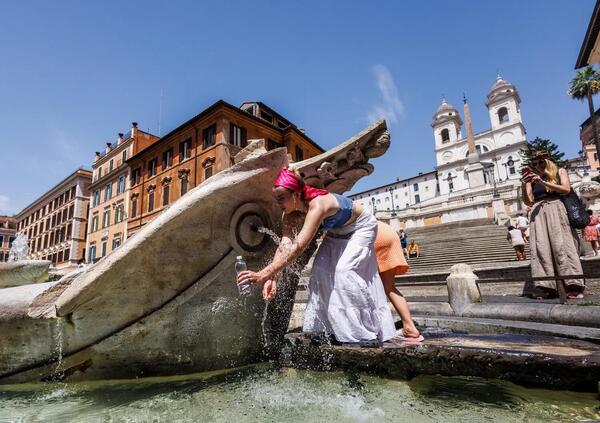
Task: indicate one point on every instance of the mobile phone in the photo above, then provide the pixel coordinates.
(526, 170)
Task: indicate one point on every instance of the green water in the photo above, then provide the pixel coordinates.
(261, 394)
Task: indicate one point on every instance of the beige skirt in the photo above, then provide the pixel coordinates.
(554, 244)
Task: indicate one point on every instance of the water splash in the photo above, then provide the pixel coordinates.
(58, 343)
(269, 232)
(263, 324)
(19, 248)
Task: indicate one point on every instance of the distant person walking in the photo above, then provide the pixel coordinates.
(590, 232)
(413, 249)
(403, 242)
(523, 226)
(515, 236)
(554, 243)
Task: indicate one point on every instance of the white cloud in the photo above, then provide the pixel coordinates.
(391, 107)
(4, 203)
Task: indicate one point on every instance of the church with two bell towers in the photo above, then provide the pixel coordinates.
(476, 175)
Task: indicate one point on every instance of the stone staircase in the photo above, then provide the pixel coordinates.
(477, 241)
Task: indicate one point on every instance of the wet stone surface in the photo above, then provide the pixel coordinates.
(542, 361)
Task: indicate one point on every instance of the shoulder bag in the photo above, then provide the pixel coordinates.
(576, 210)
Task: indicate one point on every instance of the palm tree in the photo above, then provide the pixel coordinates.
(585, 84)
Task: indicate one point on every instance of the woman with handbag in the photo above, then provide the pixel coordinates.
(553, 242)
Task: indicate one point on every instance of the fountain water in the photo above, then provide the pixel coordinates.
(19, 248)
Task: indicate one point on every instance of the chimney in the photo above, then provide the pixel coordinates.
(119, 138)
(302, 130)
(107, 147)
(97, 155)
(133, 129)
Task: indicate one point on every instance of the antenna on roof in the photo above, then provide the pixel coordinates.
(160, 110)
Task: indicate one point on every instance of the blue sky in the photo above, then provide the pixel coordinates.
(74, 73)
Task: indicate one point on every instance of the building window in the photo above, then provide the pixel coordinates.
(106, 219)
(152, 167)
(237, 136)
(299, 154)
(417, 198)
(96, 197)
(71, 211)
(511, 169)
(124, 156)
(134, 207)
(119, 213)
(92, 254)
(415, 187)
(121, 185)
(116, 242)
(107, 192)
(266, 116)
(185, 149)
(135, 176)
(99, 172)
(502, 115)
(208, 172)
(445, 135)
(184, 186)
(150, 201)
(272, 144)
(165, 199)
(110, 165)
(103, 248)
(167, 159)
(95, 222)
(210, 135)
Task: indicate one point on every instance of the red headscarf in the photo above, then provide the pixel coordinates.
(288, 179)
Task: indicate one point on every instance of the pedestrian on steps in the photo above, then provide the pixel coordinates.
(590, 232)
(404, 242)
(523, 226)
(515, 236)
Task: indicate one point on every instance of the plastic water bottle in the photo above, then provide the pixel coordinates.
(240, 266)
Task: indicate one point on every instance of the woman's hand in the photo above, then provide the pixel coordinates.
(537, 179)
(254, 278)
(270, 289)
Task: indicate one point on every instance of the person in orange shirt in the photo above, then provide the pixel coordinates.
(391, 263)
(413, 249)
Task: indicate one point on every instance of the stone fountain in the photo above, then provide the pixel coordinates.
(20, 271)
(165, 302)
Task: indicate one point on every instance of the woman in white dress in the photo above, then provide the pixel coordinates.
(347, 299)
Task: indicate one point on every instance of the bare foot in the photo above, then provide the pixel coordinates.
(410, 332)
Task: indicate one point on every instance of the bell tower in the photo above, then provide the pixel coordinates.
(504, 104)
(446, 125)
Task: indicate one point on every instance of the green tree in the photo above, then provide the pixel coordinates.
(583, 87)
(542, 144)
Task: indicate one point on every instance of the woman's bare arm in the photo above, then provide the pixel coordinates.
(527, 192)
(292, 248)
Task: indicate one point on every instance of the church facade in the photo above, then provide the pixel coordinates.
(476, 176)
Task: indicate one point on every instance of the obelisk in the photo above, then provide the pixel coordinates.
(474, 169)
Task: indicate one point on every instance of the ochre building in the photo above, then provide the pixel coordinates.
(162, 170)
(55, 223)
(8, 232)
(109, 194)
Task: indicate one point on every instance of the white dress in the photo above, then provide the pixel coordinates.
(347, 298)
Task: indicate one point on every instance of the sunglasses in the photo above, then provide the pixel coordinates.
(539, 161)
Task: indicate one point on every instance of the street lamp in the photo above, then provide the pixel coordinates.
(391, 191)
